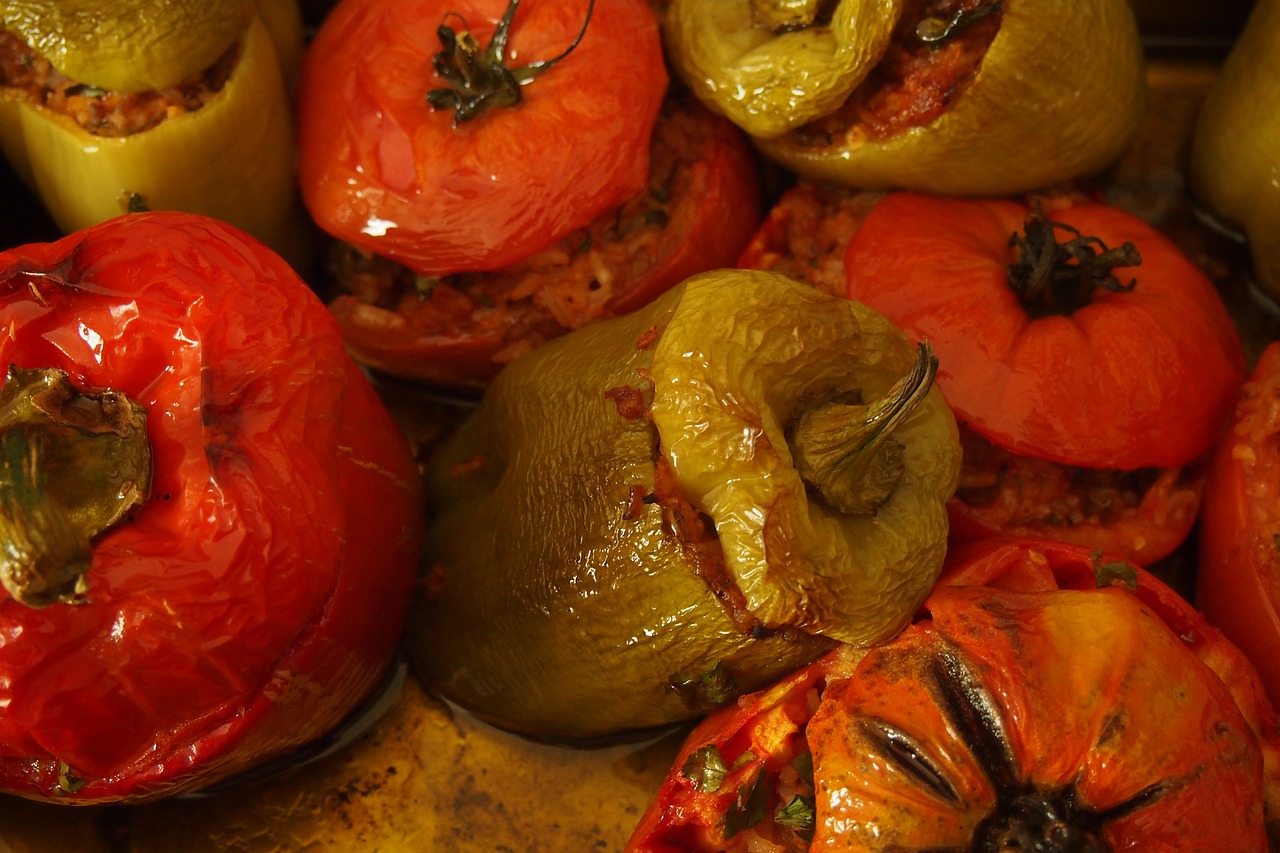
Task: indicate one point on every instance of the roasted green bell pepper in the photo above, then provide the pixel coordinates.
(657, 512)
(1234, 163)
(232, 158)
(967, 97)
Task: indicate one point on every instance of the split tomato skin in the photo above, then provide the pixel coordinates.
(259, 595)
(1137, 378)
(380, 168)
(1040, 679)
(1238, 573)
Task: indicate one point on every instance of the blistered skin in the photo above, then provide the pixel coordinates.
(382, 170)
(258, 595)
(1034, 698)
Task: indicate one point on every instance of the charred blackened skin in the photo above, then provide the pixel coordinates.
(1024, 818)
(478, 78)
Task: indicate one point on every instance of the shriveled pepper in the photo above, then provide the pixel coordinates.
(655, 513)
(973, 97)
(1234, 162)
(771, 65)
(221, 143)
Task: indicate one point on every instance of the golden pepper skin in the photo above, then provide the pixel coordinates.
(1058, 95)
(558, 598)
(766, 76)
(1234, 162)
(232, 159)
(129, 45)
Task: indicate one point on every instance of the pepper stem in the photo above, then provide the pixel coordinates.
(847, 452)
(478, 78)
(1052, 277)
(72, 465)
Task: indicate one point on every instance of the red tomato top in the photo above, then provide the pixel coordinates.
(382, 169)
(258, 595)
(1134, 378)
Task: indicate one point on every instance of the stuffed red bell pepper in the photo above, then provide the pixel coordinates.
(210, 524)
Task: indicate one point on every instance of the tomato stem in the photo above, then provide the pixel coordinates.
(477, 78)
(1052, 277)
(72, 465)
(847, 452)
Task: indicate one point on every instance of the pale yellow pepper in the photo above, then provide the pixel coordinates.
(232, 159)
(1234, 165)
(1058, 94)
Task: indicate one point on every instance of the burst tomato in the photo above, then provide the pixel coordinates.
(1046, 698)
(1089, 360)
(256, 594)
(1238, 575)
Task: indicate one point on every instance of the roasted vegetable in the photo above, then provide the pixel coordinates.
(656, 512)
(218, 141)
(1234, 162)
(476, 229)
(974, 97)
(1238, 573)
(1090, 362)
(210, 524)
(1048, 698)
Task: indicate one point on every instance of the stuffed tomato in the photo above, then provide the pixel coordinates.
(1046, 698)
(473, 221)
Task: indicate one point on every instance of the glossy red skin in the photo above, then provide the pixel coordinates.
(1238, 573)
(717, 213)
(258, 596)
(1144, 378)
(773, 720)
(382, 170)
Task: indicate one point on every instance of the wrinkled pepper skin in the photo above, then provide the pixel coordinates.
(232, 159)
(562, 597)
(130, 46)
(1234, 163)
(768, 82)
(1034, 114)
(259, 594)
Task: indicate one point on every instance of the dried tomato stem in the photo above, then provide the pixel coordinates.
(1052, 277)
(478, 78)
(72, 465)
(847, 452)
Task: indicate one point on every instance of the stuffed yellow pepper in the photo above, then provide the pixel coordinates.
(168, 104)
(973, 97)
(1234, 167)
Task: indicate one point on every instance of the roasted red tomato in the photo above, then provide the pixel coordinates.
(249, 596)
(1090, 363)
(1046, 699)
(584, 198)
(1238, 574)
